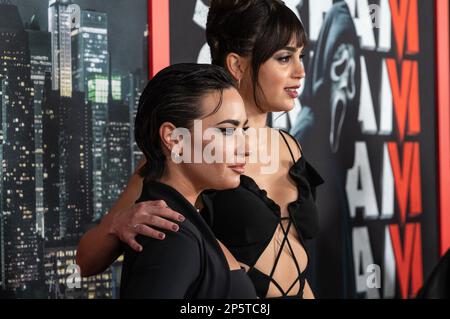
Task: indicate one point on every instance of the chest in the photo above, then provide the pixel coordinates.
(279, 185)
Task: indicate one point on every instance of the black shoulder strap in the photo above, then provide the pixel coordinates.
(285, 140)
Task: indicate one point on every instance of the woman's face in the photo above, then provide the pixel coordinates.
(279, 79)
(223, 143)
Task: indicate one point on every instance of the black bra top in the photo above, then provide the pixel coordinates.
(245, 220)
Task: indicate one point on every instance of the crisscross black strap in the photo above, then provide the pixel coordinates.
(301, 275)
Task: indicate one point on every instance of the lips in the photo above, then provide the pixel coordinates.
(292, 91)
(240, 169)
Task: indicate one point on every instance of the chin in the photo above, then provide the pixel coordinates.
(290, 104)
(285, 107)
(234, 182)
(290, 107)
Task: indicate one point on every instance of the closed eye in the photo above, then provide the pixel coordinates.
(227, 131)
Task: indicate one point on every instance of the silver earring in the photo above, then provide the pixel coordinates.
(173, 154)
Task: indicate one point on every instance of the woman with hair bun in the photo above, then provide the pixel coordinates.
(265, 220)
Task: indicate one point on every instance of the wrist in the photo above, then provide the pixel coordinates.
(107, 223)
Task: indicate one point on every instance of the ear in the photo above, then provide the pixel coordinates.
(165, 133)
(236, 65)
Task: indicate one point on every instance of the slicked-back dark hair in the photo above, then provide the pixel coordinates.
(174, 95)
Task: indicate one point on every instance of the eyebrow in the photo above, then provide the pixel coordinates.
(232, 122)
(291, 49)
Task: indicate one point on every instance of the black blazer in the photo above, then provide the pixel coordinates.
(186, 264)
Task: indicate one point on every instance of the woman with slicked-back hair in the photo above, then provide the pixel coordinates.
(265, 220)
(190, 263)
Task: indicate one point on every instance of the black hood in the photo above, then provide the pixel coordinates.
(337, 28)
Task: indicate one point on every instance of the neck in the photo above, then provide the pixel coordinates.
(178, 181)
(256, 117)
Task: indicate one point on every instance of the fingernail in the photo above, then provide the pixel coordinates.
(161, 236)
(175, 227)
(181, 218)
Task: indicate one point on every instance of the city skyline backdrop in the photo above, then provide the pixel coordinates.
(118, 12)
(66, 135)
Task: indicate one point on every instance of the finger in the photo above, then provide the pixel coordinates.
(156, 203)
(163, 224)
(134, 244)
(150, 232)
(168, 213)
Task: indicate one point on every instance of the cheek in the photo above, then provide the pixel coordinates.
(229, 151)
(274, 75)
(273, 84)
(222, 149)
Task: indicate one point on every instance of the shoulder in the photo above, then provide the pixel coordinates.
(187, 241)
(292, 143)
(158, 256)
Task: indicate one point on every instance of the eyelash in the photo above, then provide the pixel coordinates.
(288, 57)
(228, 131)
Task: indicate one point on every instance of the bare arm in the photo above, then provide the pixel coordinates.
(100, 246)
(307, 292)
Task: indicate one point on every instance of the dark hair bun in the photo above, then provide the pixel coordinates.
(251, 28)
(233, 24)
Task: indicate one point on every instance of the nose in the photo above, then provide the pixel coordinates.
(242, 145)
(299, 69)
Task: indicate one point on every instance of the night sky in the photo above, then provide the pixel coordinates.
(126, 25)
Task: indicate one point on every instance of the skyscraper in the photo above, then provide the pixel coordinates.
(67, 165)
(89, 47)
(90, 65)
(50, 160)
(98, 84)
(19, 238)
(66, 111)
(133, 84)
(60, 108)
(2, 241)
(60, 13)
(118, 167)
(145, 55)
(40, 55)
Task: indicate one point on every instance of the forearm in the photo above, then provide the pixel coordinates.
(98, 248)
(101, 245)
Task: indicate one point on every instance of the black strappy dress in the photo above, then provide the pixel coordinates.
(245, 219)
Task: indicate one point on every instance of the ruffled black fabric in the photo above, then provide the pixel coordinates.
(303, 210)
(245, 218)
